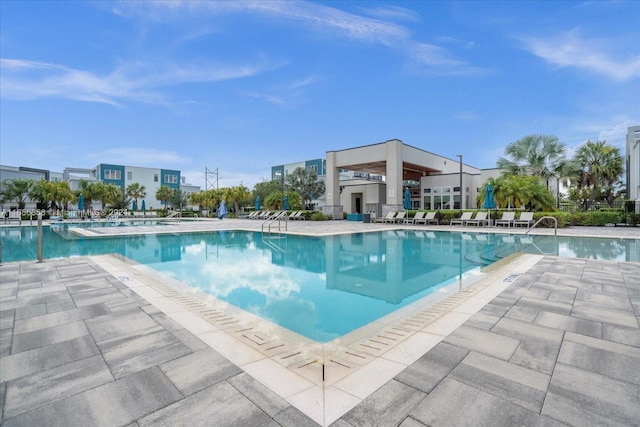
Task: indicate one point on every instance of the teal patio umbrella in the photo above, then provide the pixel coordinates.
(407, 199)
(222, 211)
(144, 207)
(134, 206)
(286, 203)
(81, 202)
(488, 202)
(257, 203)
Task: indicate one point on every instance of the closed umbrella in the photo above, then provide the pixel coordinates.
(81, 202)
(286, 203)
(488, 202)
(222, 211)
(134, 206)
(144, 207)
(407, 199)
(258, 203)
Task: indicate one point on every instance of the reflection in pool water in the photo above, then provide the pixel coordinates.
(320, 287)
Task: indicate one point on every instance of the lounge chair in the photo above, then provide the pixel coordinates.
(299, 216)
(526, 219)
(429, 218)
(466, 216)
(419, 216)
(399, 217)
(507, 219)
(480, 219)
(389, 216)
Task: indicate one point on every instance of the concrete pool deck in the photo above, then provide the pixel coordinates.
(81, 344)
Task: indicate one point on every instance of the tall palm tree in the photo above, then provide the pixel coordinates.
(598, 167)
(41, 192)
(90, 191)
(61, 194)
(111, 194)
(136, 191)
(542, 156)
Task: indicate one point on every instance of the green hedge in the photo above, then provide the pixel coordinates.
(565, 219)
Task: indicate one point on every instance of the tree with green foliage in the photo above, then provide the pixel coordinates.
(41, 193)
(237, 195)
(597, 168)
(17, 190)
(136, 192)
(515, 191)
(542, 156)
(112, 194)
(264, 189)
(90, 190)
(305, 182)
(178, 199)
(163, 194)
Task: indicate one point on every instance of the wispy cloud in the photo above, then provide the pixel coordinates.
(320, 18)
(570, 49)
(24, 79)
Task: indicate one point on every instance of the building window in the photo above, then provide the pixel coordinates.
(456, 189)
(171, 179)
(112, 174)
(442, 202)
(456, 202)
(129, 175)
(155, 177)
(427, 203)
(427, 191)
(313, 168)
(277, 175)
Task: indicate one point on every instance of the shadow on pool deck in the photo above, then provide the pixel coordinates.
(560, 346)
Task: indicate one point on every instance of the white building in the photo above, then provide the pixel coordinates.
(633, 163)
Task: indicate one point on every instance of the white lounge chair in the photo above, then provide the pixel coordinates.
(419, 216)
(480, 219)
(389, 216)
(466, 216)
(399, 217)
(507, 219)
(526, 219)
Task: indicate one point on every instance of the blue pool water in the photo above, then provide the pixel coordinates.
(320, 287)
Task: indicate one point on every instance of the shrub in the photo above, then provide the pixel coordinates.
(319, 216)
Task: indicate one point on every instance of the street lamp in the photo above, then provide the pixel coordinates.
(461, 191)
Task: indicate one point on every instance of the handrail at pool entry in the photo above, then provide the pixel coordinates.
(555, 221)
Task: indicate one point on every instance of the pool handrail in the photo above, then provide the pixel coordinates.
(555, 221)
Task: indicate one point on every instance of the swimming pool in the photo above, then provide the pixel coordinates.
(319, 287)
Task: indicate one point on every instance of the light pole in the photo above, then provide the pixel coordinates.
(461, 191)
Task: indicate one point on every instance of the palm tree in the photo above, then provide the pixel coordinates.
(237, 195)
(17, 190)
(60, 192)
(90, 191)
(41, 192)
(112, 194)
(598, 166)
(542, 156)
(163, 194)
(305, 182)
(136, 191)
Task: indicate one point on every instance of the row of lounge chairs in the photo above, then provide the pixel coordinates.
(508, 219)
(271, 215)
(400, 217)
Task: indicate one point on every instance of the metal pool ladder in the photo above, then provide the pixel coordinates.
(555, 222)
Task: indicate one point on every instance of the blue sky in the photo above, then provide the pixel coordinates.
(243, 86)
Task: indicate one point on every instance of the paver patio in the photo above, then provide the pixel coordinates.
(560, 346)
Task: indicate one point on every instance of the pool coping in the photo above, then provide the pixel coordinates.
(291, 365)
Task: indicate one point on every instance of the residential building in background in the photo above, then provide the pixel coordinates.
(633, 163)
(120, 175)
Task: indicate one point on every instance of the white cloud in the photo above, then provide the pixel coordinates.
(24, 79)
(570, 49)
(317, 17)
